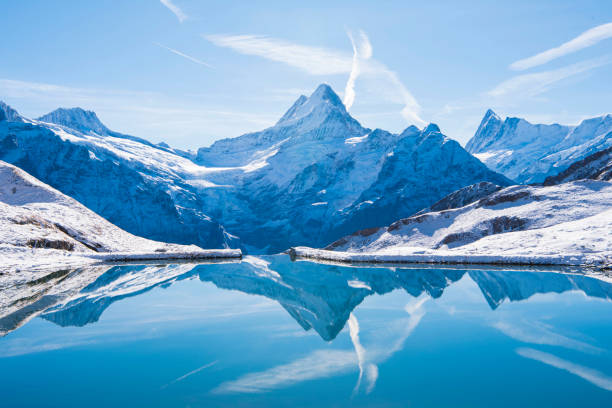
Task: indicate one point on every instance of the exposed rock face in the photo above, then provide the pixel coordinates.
(529, 153)
(464, 196)
(597, 166)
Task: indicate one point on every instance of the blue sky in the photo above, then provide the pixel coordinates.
(189, 72)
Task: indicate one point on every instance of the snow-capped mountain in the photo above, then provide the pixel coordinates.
(313, 177)
(40, 224)
(318, 174)
(528, 153)
(566, 221)
(142, 188)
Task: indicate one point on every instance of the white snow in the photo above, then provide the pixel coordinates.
(41, 226)
(528, 153)
(566, 224)
(356, 140)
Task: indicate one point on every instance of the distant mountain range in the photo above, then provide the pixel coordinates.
(528, 153)
(313, 177)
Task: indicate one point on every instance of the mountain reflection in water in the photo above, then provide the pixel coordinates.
(318, 296)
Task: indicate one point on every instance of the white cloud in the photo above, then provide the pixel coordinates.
(584, 40)
(319, 364)
(323, 61)
(363, 51)
(538, 333)
(189, 57)
(175, 9)
(530, 85)
(593, 376)
(313, 60)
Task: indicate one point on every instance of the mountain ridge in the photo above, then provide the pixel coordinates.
(528, 153)
(311, 178)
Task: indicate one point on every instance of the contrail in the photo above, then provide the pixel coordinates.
(189, 57)
(197, 370)
(363, 51)
(174, 9)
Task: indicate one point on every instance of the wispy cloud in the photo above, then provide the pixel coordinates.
(361, 51)
(530, 85)
(175, 9)
(313, 60)
(319, 364)
(189, 57)
(584, 40)
(538, 333)
(324, 61)
(593, 376)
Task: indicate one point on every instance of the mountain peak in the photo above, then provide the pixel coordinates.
(490, 114)
(76, 118)
(9, 114)
(324, 93)
(431, 128)
(486, 133)
(320, 104)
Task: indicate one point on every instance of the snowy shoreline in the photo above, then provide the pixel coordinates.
(446, 257)
(45, 259)
(157, 256)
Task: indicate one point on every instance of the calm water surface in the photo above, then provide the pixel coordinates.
(270, 332)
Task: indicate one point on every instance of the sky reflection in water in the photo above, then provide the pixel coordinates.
(271, 332)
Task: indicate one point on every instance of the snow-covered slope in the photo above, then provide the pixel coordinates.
(597, 166)
(142, 188)
(313, 177)
(529, 153)
(40, 225)
(566, 223)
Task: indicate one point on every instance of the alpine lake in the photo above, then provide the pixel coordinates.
(271, 332)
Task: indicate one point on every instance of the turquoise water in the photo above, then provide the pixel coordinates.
(269, 332)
